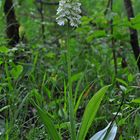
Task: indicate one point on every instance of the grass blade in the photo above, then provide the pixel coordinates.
(90, 112)
(86, 90)
(44, 116)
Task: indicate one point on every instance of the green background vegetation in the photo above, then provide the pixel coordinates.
(34, 78)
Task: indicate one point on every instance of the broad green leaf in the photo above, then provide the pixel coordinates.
(50, 55)
(16, 71)
(122, 82)
(76, 77)
(135, 22)
(96, 34)
(136, 101)
(122, 121)
(86, 20)
(90, 112)
(101, 134)
(45, 118)
(4, 50)
(130, 77)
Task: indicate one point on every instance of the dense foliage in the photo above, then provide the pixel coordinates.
(71, 81)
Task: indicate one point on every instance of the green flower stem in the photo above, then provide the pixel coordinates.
(70, 97)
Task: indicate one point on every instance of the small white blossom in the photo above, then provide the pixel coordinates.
(69, 10)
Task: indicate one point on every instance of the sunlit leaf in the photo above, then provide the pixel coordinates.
(90, 112)
(4, 50)
(16, 71)
(136, 101)
(101, 134)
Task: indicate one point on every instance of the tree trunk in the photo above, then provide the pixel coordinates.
(12, 24)
(133, 33)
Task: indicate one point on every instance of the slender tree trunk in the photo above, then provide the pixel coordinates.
(12, 24)
(133, 33)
